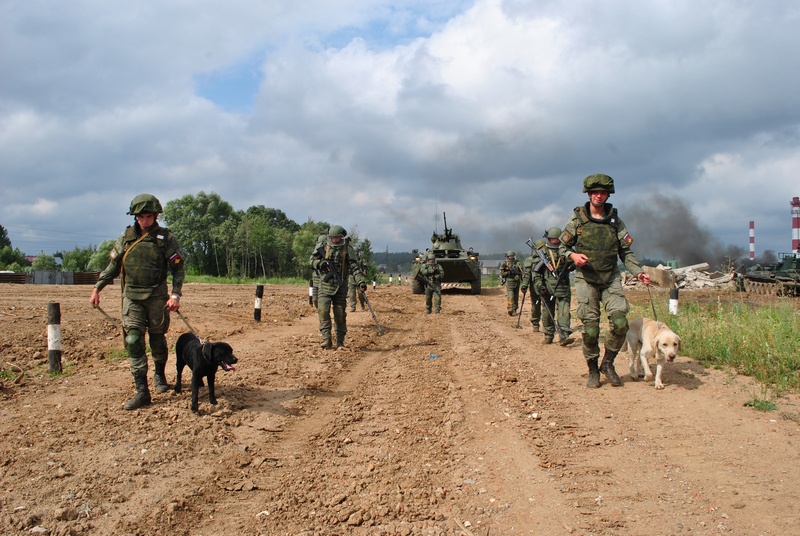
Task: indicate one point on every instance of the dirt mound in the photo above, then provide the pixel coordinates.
(446, 424)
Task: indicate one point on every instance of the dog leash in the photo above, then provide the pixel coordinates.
(188, 325)
(655, 316)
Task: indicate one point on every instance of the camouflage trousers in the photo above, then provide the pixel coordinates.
(616, 306)
(433, 297)
(337, 303)
(513, 296)
(559, 308)
(139, 316)
(536, 309)
(351, 297)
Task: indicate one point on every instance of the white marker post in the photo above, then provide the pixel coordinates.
(54, 337)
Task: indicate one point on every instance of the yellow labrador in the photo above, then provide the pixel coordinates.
(645, 339)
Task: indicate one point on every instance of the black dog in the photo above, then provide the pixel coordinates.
(204, 359)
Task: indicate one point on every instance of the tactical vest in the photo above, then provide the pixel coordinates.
(144, 262)
(598, 240)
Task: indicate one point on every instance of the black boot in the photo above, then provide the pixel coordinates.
(607, 368)
(160, 378)
(142, 396)
(326, 344)
(594, 374)
(339, 341)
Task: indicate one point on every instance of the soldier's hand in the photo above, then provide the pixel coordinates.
(579, 258)
(324, 266)
(644, 278)
(363, 287)
(543, 290)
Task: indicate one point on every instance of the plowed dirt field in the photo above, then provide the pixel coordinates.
(450, 424)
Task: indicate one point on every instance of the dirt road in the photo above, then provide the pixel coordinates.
(447, 424)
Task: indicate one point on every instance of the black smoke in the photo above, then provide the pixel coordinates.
(664, 225)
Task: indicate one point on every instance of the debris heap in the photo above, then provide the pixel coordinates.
(691, 277)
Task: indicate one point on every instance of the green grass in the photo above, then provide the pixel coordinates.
(755, 340)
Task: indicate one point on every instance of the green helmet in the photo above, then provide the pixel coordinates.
(431, 257)
(552, 232)
(145, 203)
(539, 243)
(336, 231)
(598, 181)
(510, 253)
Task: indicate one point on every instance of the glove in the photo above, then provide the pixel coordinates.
(324, 267)
(524, 289)
(543, 290)
(362, 286)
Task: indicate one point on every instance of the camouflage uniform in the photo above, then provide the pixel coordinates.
(527, 281)
(335, 262)
(511, 271)
(556, 299)
(315, 275)
(353, 288)
(143, 262)
(432, 273)
(603, 241)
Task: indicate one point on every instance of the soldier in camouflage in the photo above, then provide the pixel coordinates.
(315, 275)
(511, 271)
(527, 281)
(594, 238)
(335, 260)
(554, 289)
(143, 256)
(353, 286)
(432, 274)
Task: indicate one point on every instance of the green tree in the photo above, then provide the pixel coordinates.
(4, 239)
(44, 262)
(10, 256)
(101, 256)
(303, 242)
(193, 220)
(76, 260)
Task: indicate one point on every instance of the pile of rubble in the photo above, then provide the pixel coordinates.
(695, 276)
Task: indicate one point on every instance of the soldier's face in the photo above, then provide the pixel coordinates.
(598, 197)
(336, 239)
(146, 220)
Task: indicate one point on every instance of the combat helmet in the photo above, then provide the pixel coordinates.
(510, 253)
(336, 231)
(552, 232)
(539, 243)
(431, 257)
(145, 203)
(598, 181)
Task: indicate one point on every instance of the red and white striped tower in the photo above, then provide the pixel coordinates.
(796, 224)
(752, 240)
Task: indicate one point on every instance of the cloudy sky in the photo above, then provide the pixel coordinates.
(382, 115)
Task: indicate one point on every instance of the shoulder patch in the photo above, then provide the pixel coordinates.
(176, 259)
(565, 237)
(627, 239)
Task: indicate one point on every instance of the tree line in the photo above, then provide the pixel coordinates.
(217, 240)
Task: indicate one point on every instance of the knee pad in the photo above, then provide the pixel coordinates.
(158, 343)
(619, 324)
(134, 343)
(591, 333)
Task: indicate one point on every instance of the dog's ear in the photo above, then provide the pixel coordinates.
(207, 350)
(677, 338)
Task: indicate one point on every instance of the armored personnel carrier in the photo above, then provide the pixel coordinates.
(459, 265)
(782, 278)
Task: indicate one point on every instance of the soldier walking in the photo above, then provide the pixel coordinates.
(594, 238)
(432, 274)
(334, 261)
(551, 282)
(511, 271)
(527, 281)
(143, 255)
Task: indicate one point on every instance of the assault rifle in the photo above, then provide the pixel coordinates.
(331, 272)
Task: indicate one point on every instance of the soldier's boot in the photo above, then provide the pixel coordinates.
(326, 344)
(594, 374)
(339, 341)
(536, 328)
(548, 339)
(160, 378)
(607, 368)
(142, 396)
